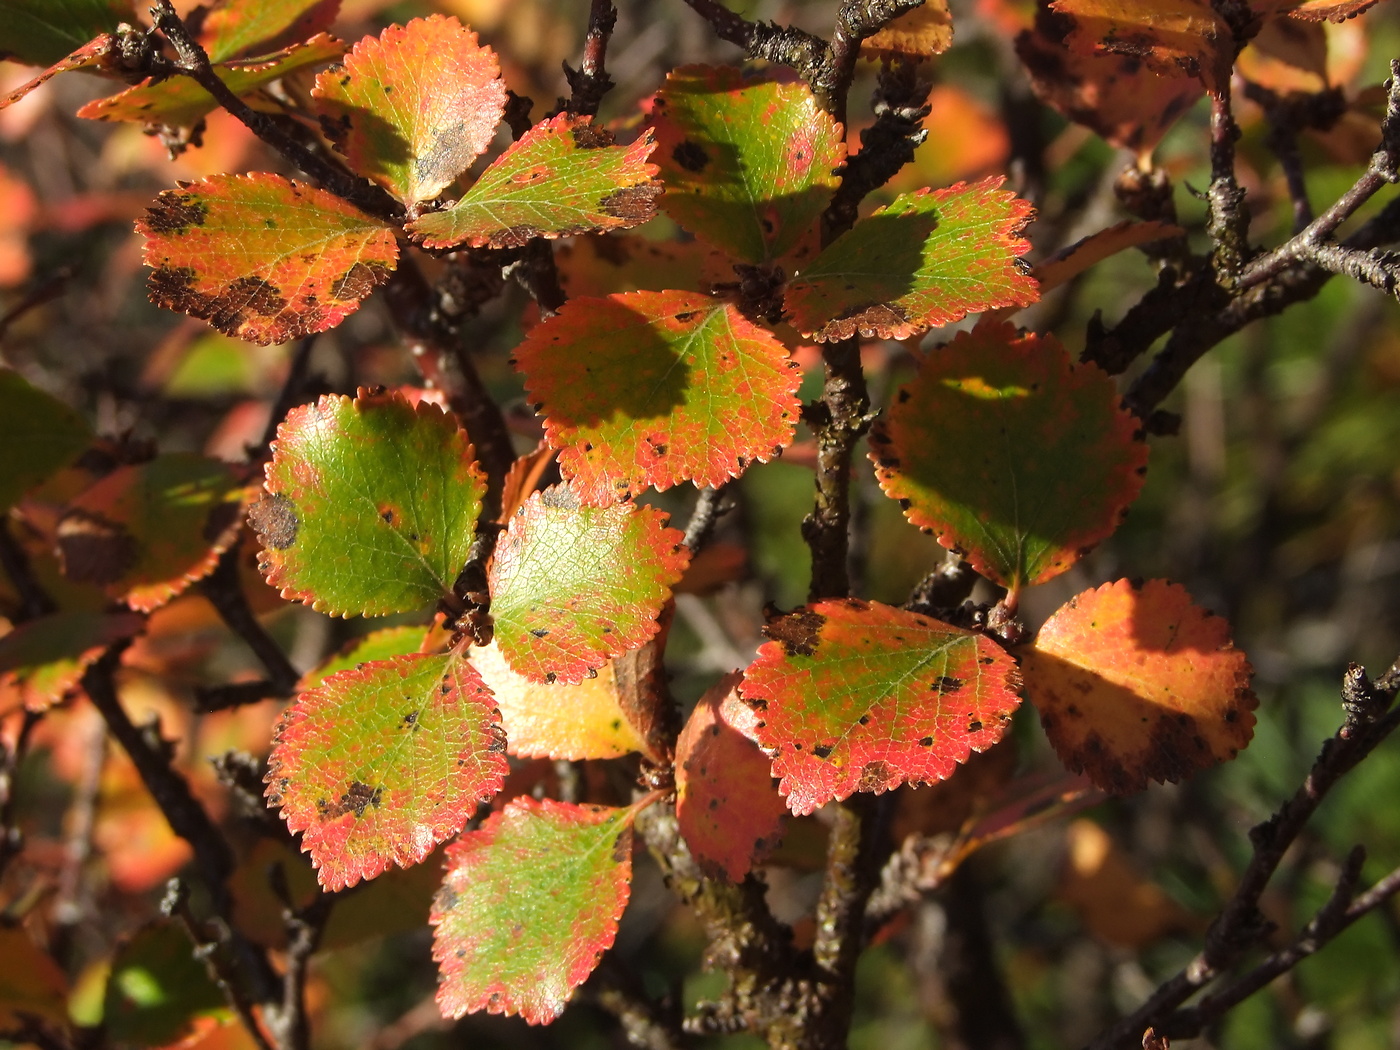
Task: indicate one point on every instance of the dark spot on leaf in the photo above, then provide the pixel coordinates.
(410, 719)
(690, 155)
(864, 720)
(631, 204)
(621, 846)
(876, 776)
(357, 797)
(587, 135)
(926, 741)
(274, 519)
(974, 726)
(687, 316)
(386, 514)
(797, 632)
(539, 632)
(358, 281)
(514, 236)
(944, 684)
(175, 211)
(446, 899)
(94, 549)
(821, 750)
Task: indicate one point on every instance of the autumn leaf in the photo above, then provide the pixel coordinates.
(377, 645)
(370, 505)
(30, 981)
(1170, 37)
(925, 32)
(42, 32)
(238, 27)
(42, 661)
(261, 257)
(530, 903)
(656, 388)
(573, 586)
(154, 997)
(381, 763)
(1135, 683)
(1050, 458)
(563, 178)
(39, 434)
(929, 258)
(413, 107)
(858, 696)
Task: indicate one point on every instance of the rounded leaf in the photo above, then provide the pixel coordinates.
(574, 586)
(858, 696)
(380, 764)
(370, 505)
(1135, 683)
(236, 27)
(529, 904)
(43, 660)
(656, 388)
(39, 434)
(1010, 453)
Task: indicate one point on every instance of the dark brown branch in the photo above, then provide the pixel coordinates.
(34, 600)
(856, 21)
(224, 590)
(1227, 221)
(11, 838)
(288, 398)
(590, 82)
(764, 40)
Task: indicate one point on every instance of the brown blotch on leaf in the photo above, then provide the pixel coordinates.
(274, 519)
(869, 319)
(560, 497)
(94, 549)
(822, 750)
(587, 135)
(797, 632)
(358, 281)
(632, 204)
(690, 155)
(175, 211)
(357, 797)
(514, 236)
(876, 776)
(944, 684)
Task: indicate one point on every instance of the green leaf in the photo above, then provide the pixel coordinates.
(1053, 458)
(574, 586)
(44, 659)
(261, 257)
(414, 107)
(530, 903)
(236, 27)
(157, 988)
(928, 259)
(656, 388)
(380, 764)
(145, 533)
(377, 645)
(748, 162)
(564, 177)
(39, 434)
(179, 102)
(40, 32)
(370, 505)
(858, 696)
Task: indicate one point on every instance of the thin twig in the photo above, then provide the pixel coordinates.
(709, 508)
(224, 590)
(590, 82)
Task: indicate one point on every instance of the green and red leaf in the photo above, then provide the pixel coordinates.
(241, 27)
(858, 696)
(564, 177)
(261, 257)
(930, 258)
(377, 645)
(380, 764)
(98, 53)
(43, 660)
(413, 107)
(1135, 683)
(1011, 453)
(529, 904)
(749, 163)
(573, 586)
(370, 505)
(39, 434)
(656, 388)
(42, 32)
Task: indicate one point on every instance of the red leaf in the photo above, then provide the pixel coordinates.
(859, 696)
(96, 52)
(656, 388)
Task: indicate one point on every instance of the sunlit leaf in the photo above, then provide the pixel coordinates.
(380, 764)
(40, 32)
(564, 177)
(858, 696)
(574, 586)
(922, 33)
(1172, 37)
(370, 505)
(729, 810)
(237, 27)
(377, 645)
(1135, 683)
(413, 107)
(39, 434)
(42, 660)
(748, 162)
(1047, 459)
(530, 903)
(261, 257)
(656, 388)
(97, 53)
(930, 258)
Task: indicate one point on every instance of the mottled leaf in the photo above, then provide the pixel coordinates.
(530, 903)
(370, 505)
(41, 32)
(564, 177)
(99, 53)
(574, 586)
(748, 162)
(656, 388)
(238, 27)
(146, 532)
(377, 645)
(930, 258)
(413, 107)
(261, 257)
(179, 102)
(1010, 453)
(1135, 683)
(554, 720)
(42, 660)
(922, 33)
(1172, 37)
(729, 810)
(380, 764)
(39, 434)
(858, 696)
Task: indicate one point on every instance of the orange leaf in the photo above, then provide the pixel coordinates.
(1172, 37)
(921, 33)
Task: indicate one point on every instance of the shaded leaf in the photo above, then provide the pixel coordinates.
(529, 904)
(380, 764)
(729, 810)
(1070, 262)
(600, 266)
(377, 645)
(261, 257)
(39, 434)
(858, 696)
(180, 102)
(370, 505)
(43, 660)
(922, 33)
(564, 177)
(1171, 37)
(554, 720)
(237, 27)
(748, 162)
(1048, 458)
(929, 258)
(1111, 897)
(30, 981)
(1134, 683)
(145, 533)
(656, 388)
(1330, 10)
(413, 107)
(574, 586)
(157, 988)
(41, 32)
